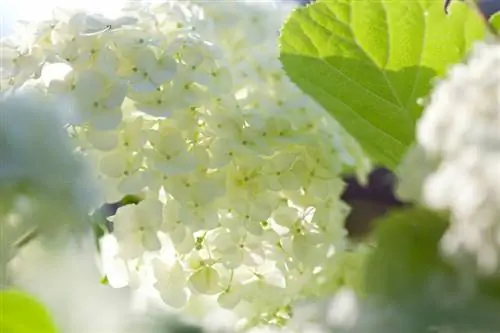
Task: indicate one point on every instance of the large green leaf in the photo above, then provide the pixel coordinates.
(368, 62)
(406, 253)
(20, 313)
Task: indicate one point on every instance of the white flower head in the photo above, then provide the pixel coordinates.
(186, 104)
(459, 146)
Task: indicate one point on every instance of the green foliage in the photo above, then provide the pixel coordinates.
(20, 313)
(410, 287)
(495, 22)
(368, 62)
(130, 199)
(406, 253)
(406, 257)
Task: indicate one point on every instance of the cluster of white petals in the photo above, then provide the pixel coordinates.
(185, 105)
(458, 157)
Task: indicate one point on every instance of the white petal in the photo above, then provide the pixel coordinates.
(302, 247)
(82, 59)
(275, 278)
(253, 258)
(205, 281)
(150, 211)
(161, 112)
(150, 241)
(222, 82)
(178, 235)
(233, 259)
(229, 299)
(143, 86)
(132, 184)
(116, 96)
(58, 86)
(290, 182)
(105, 120)
(130, 247)
(285, 216)
(253, 226)
(161, 76)
(89, 86)
(102, 140)
(221, 153)
(173, 296)
(145, 60)
(186, 245)
(167, 68)
(192, 56)
(224, 242)
(108, 187)
(113, 165)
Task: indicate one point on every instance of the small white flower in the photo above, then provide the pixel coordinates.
(205, 280)
(240, 248)
(171, 283)
(170, 153)
(148, 72)
(95, 97)
(136, 227)
(18, 65)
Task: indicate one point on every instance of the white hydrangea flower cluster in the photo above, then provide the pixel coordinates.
(186, 106)
(459, 140)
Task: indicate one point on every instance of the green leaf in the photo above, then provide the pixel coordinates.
(406, 253)
(20, 313)
(495, 21)
(104, 280)
(407, 273)
(368, 62)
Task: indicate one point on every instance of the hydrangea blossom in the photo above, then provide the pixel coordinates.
(458, 154)
(186, 105)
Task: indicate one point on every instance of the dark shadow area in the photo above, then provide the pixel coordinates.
(489, 7)
(369, 202)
